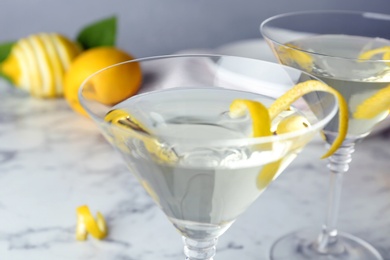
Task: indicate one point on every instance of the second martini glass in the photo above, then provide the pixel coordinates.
(350, 51)
(194, 157)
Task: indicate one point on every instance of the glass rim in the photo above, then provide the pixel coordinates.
(224, 142)
(363, 14)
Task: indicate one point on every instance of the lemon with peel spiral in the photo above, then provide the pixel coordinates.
(38, 63)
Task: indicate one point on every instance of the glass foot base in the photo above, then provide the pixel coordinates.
(299, 246)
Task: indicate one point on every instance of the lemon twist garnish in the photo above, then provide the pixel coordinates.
(262, 118)
(385, 50)
(150, 191)
(386, 56)
(86, 224)
(268, 173)
(284, 102)
(123, 119)
(291, 124)
(261, 126)
(380, 101)
(261, 122)
(291, 53)
(374, 105)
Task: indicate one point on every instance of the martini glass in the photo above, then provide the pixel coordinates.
(197, 162)
(328, 45)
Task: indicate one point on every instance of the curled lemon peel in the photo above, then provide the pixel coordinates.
(123, 119)
(86, 224)
(262, 118)
(290, 52)
(268, 173)
(300, 89)
(261, 126)
(374, 105)
(386, 56)
(291, 124)
(385, 50)
(380, 101)
(261, 122)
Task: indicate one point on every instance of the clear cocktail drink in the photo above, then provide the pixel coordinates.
(357, 80)
(202, 187)
(346, 50)
(203, 149)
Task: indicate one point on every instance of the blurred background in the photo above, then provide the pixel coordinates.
(157, 27)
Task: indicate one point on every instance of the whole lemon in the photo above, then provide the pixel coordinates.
(109, 87)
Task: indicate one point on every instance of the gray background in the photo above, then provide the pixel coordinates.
(156, 27)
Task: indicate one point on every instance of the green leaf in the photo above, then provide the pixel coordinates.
(101, 33)
(5, 49)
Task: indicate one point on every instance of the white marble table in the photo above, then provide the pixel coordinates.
(53, 160)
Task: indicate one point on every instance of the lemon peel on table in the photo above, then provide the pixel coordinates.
(86, 224)
(123, 119)
(37, 63)
(374, 105)
(302, 88)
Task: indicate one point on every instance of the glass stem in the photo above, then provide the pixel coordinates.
(338, 165)
(199, 250)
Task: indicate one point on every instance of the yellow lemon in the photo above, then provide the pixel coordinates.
(38, 63)
(109, 87)
(86, 224)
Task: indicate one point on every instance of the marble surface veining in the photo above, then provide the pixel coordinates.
(53, 160)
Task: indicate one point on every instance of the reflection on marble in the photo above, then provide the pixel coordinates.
(53, 160)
